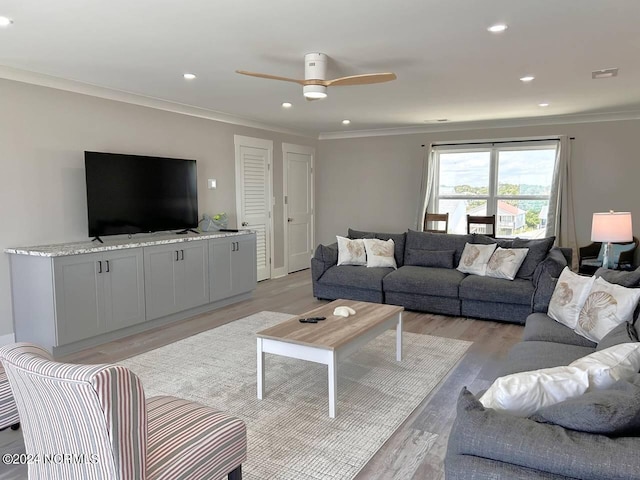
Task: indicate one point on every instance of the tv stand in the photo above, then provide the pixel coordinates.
(187, 230)
(97, 238)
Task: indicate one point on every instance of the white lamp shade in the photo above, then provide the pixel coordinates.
(614, 227)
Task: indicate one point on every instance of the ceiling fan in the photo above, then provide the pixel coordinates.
(314, 85)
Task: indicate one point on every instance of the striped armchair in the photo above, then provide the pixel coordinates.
(93, 422)
(8, 410)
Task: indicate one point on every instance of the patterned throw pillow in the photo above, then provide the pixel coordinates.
(380, 253)
(606, 307)
(568, 297)
(475, 258)
(505, 262)
(351, 252)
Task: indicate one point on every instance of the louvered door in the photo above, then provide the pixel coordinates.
(253, 187)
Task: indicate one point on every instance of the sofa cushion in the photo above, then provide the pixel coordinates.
(486, 433)
(538, 249)
(606, 367)
(534, 355)
(438, 241)
(328, 254)
(355, 276)
(540, 327)
(475, 258)
(613, 411)
(498, 290)
(486, 240)
(568, 297)
(442, 282)
(429, 258)
(623, 333)
(399, 240)
(351, 252)
(380, 253)
(626, 279)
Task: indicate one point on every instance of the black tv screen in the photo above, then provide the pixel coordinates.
(135, 194)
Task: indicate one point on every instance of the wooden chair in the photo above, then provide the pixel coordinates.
(433, 218)
(482, 220)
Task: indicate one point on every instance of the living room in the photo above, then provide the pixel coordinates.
(63, 96)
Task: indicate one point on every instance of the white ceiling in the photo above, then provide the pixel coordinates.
(448, 65)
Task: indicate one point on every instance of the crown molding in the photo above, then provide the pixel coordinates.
(92, 90)
(483, 124)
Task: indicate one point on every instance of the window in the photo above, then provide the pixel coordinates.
(511, 181)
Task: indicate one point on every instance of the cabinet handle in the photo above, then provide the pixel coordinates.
(99, 266)
(107, 270)
(177, 255)
(181, 254)
(237, 246)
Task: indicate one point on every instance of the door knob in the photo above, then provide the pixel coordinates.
(245, 224)
(289, 220)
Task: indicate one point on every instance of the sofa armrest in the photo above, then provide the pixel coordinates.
(324, 257)
(487, 433)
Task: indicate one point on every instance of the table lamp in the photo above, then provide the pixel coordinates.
(611, 227)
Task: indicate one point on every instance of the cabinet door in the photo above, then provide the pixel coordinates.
(243, 264)
(79, 297)
(194, 271)
(124, 288)
(160, 265)
(220, 268)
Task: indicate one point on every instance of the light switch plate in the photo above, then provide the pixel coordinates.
(212, 183)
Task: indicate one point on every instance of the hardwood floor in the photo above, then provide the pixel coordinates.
(416, 450)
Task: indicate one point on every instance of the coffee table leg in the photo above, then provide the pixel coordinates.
(333, 384)
(260, 369)
(399, 338)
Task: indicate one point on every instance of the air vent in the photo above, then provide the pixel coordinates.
(606, 73)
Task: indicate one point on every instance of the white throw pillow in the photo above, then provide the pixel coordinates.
(505, 262)
(606, 307)
(380, 252)
(605, 367)
(351, 252)
(522, 394)
(568, 297)
(475, 257)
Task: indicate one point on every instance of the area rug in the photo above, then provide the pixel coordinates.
(290, 434)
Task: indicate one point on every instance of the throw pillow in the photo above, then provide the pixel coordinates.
(522, 394)
(505, 262)
(351, 252)
(623, 333)
(430, 258)
(568, 297)
(606, 306)
(380, 253)
(605, 367)
(614, 411)
(475, 257)
(538, 249)
(626, 279)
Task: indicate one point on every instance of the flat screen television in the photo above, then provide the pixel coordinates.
(136, 194)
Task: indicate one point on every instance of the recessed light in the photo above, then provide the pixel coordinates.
(5, 22)
(287, 105)
(189, 76)
(499, 27)
(543, 104)
(605, 73)
(527, 78)
(346, 122)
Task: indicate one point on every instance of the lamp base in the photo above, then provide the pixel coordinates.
(607, 260)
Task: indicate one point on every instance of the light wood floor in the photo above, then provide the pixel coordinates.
(411, 453)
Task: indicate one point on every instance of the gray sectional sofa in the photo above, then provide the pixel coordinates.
(595, 436)
(427, 280)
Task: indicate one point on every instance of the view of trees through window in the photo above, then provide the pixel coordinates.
(512, 182)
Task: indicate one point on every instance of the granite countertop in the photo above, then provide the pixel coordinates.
(78, 248)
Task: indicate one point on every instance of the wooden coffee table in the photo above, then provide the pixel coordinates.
(330, 340)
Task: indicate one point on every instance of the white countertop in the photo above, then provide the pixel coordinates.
(78, 248)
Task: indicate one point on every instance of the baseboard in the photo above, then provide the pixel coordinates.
(7, 339)
(278, 272)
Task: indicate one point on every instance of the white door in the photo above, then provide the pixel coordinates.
(298, 218)
(253, 196)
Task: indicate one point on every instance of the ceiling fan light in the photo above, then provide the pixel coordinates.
(314, 91)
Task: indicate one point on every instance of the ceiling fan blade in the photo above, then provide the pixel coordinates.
(270, 77)
(363, 79)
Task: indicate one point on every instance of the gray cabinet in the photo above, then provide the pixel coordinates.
(176, 277)
(232, 267)
(97, 293)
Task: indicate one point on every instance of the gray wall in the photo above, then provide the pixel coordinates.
(43, 136)
(374, 183)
